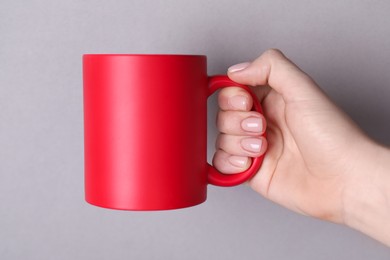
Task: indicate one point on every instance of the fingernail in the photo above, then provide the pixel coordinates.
(238, 67)
(252, 124)
(251, 144)
(238, 161)
(239, 102)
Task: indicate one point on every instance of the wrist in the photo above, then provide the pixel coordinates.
(366, 197)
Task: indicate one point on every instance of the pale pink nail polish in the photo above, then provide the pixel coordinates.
(239, 102)
(238, 67)
(251, 145)
(252, 124)
(238, 161)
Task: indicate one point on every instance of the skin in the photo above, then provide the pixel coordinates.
(317, 162)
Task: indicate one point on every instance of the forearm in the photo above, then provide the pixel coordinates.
(367, 195)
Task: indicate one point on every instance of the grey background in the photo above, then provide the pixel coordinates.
(344, 45)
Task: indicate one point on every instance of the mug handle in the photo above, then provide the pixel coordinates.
(214, 176)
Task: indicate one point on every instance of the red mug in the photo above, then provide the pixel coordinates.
(145, 131)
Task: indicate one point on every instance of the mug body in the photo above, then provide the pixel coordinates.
(145, 130)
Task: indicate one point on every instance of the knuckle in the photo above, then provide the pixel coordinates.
(226, 121)
(221, 121)
(273, 52)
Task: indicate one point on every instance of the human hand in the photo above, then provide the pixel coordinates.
(313, 147)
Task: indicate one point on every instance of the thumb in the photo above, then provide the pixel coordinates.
(274, 69)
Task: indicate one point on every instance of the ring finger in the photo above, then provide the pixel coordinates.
(252, 146)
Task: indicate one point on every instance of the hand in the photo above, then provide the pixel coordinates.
(314, 149)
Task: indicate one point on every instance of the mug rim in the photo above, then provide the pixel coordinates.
(142, 55)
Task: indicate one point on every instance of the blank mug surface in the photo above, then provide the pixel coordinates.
(145, 136)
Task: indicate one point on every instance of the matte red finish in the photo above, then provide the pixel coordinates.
(145, 119)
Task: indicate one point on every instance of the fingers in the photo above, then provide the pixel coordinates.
(227, 163)
(235, 99)
(241, 123)
(252, 146)
(241, 131)
(232, 119)
(234, 153)
(240, 139)
(274, 69)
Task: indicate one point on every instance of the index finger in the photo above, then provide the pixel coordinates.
(234, 99)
